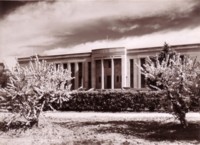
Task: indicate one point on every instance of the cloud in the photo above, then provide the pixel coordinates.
(156, 39)
(48, 26)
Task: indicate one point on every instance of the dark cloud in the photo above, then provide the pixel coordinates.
(7, 7)
(113, 29)
(47, 25)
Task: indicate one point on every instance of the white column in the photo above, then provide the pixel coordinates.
(102, 74)
(93, 69)
(137, 74)
(68, 67)
(128, 76)
(125, 67)
(112, 74)
(83, 73)
(61, 65)
(76, 75)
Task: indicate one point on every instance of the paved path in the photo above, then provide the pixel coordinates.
(117, 116)
(112, 116)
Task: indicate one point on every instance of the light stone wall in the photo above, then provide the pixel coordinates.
(118, 69)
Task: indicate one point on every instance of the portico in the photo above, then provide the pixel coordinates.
(109, 68)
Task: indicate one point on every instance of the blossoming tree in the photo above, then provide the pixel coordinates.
(176, 74)
(33, 87)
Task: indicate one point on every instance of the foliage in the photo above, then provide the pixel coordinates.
(4, 77)
(112, 101)
(175, 74)
(33, 87)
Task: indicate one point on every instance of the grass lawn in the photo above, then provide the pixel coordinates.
(92, 128)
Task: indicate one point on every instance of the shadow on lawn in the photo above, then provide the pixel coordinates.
(154, 131)
(17, 125)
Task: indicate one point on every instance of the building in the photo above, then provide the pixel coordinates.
(110, 68)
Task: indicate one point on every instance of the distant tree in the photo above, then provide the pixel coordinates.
(165, 53)
(174, 74)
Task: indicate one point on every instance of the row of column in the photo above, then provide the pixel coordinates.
(136, 74)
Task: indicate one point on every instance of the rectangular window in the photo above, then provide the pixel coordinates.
(65, 66)
(57, 65)
(108, 81)
(89, 75)
(109, 63)
(98, 71)
(131, 72)
(117, 73)
(143, 80)
(72, 74)
(182, 59)
(80, 76)
(117, 78)
(99, 79)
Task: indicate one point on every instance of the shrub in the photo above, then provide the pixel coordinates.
(177, 76)
(32, 88)
(113, 101)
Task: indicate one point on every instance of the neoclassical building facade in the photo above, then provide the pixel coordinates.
(110, 68)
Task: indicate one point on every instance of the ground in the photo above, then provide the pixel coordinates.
(92, 128)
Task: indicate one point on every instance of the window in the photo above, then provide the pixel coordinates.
(89, 75)
(117, 73)
(117, 78)
(80, 77)
(108, 82)
(65, 66)
(57, 65)
(182, 59)
(72, 74)
(99, 79)
(109, 63)
(143, 80)
(98, 74)
(131, 72)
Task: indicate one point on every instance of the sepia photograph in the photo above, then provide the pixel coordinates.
(99, 72)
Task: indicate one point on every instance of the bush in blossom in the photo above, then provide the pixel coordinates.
(34, 87)
(177, 75)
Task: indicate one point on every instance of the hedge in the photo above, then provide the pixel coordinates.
(112, 101)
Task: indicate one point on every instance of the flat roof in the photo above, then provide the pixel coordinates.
(110, 49)
(158, 48)
(63, 56)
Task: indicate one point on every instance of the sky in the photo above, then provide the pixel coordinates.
(72, 26)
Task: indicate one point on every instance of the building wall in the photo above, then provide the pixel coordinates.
(110, 67)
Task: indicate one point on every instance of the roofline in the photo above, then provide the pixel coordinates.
(157, 48)
(133, 50)
(107, 48)
(63, 56)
